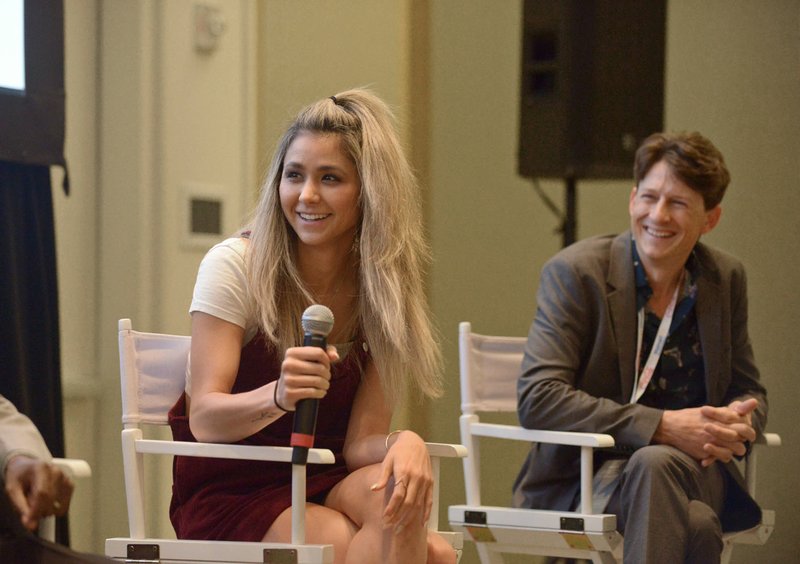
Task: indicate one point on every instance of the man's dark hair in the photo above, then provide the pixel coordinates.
(691, 157)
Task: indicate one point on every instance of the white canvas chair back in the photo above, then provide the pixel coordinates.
(489, 369)
(152, 366)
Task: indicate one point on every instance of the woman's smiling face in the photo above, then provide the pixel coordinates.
(319, 191)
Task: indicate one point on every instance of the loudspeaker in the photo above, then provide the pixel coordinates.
(592, 85)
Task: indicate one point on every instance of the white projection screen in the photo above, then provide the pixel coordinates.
(12, 44)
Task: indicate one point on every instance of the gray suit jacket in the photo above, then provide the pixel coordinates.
(578, 368)
(18, 435)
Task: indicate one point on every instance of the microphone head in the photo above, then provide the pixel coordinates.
(317, 320)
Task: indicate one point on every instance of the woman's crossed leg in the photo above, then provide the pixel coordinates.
(352, 520)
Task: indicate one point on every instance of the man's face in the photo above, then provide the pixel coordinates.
(667, 218)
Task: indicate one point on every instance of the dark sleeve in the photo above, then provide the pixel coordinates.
(570, 377)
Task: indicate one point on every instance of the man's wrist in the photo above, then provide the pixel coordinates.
(14, 457)
(661, 434)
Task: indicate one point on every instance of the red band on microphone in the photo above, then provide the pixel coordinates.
(302, 440)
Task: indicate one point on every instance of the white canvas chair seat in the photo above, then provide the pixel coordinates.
(489, 370)
(152, 370)
(501, 529)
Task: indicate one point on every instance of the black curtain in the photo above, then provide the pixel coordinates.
(29, 332)
(31, 140)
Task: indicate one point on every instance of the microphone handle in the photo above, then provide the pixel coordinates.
(305, 415)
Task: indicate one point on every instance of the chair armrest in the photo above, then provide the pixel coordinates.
(750, 461)
(73, 467)
(516, 433)
(239, 452)
(437, 451)
(769, 439)
(445, 450)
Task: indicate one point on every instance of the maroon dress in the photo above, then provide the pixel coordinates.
(238, 500)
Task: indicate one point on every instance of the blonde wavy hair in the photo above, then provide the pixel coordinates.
(392, 310)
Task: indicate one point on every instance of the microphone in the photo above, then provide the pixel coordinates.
(317, 323)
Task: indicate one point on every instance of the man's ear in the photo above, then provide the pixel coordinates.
(712, 218)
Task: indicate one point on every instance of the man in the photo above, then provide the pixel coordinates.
(644, 336)
(35, 487)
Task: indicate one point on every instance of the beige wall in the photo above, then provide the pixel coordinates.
(150, 121)
(738, 78)
(147, 116)
(76, 236)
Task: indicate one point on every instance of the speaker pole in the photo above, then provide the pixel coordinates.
(570, 210)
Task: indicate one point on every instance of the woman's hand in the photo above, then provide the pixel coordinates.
(305, 373)
(408, 465)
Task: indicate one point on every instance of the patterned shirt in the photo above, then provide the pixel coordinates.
(679, 377)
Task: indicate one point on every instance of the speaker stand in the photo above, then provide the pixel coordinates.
(570, 227)
(569, 220)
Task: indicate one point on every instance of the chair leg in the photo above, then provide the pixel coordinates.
(727, 553)
(489, 557)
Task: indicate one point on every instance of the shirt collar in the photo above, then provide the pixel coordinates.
(643, 289)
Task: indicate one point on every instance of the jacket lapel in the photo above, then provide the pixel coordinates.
(709, 322)
(622, 310)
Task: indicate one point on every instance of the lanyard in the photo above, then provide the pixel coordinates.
(641, 381)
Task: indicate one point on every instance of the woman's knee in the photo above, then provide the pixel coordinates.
(375, 501)
(353, 496)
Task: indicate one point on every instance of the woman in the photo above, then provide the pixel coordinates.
(337, 223)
